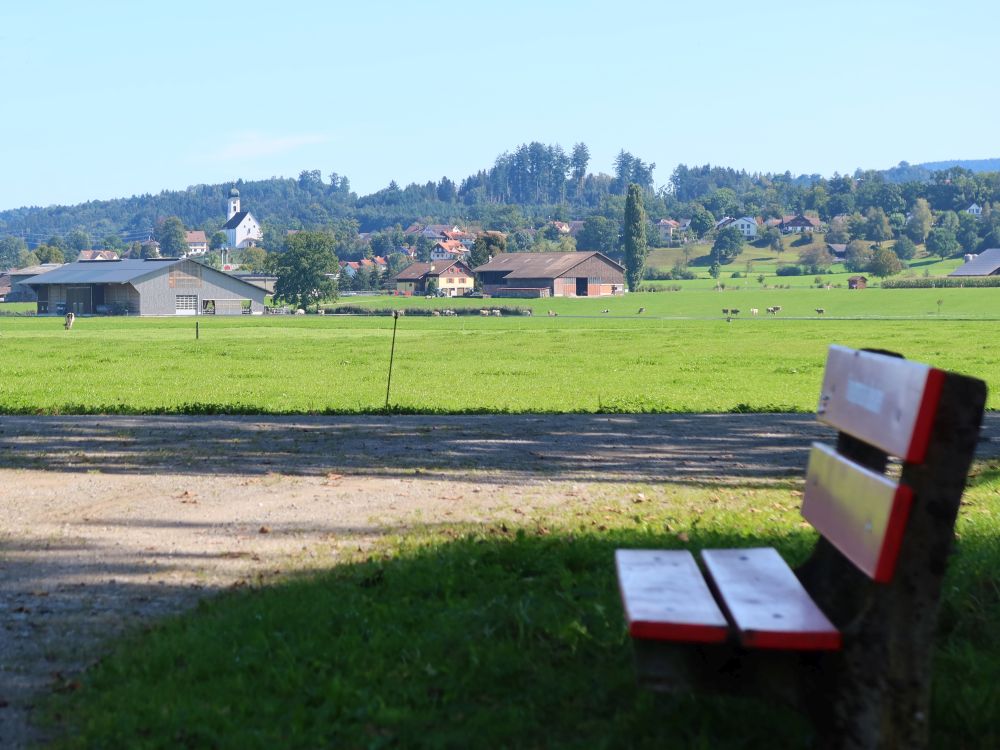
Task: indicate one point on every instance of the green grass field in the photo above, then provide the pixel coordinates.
(679, 355)
(500, 636)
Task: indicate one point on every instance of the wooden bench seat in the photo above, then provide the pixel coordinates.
(846, 638)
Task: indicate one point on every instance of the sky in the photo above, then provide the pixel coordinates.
(111, 99)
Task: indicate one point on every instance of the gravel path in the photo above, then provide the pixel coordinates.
(109, 521)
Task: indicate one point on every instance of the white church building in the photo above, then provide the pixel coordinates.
(242, 229)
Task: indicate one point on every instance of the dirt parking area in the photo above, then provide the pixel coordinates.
(107, 522)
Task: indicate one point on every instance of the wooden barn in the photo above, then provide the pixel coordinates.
(857, 282)
(552, 275)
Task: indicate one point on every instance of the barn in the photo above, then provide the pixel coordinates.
(987, 263)
(163, 286)
(857, 282)
(552, 275)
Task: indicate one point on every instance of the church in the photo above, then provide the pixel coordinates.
(242, 229)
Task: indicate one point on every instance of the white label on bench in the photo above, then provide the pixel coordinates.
(865, 396)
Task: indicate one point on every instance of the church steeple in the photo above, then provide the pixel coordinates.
(233, 207)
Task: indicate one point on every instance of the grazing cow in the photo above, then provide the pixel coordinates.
(553, 314)
(641, 310)
(820, 311)
(495, 313)
(605, 311)
(435, 313)
(300, 311)
(754, 311)
(770, 311)
(725, 311)
(70, 317)
(734, 311)
(777, 308)
(484, 313)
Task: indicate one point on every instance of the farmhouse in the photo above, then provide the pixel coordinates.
(799, 223)
(552, 275)
(451, 278)
(987, 263)
(167, 286)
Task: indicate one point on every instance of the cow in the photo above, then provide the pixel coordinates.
(820, 311)
(754, 311)
(641, 310)
(725, 311)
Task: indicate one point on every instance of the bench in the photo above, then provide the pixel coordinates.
(847, 637)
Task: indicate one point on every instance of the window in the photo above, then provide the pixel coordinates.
(186, 304)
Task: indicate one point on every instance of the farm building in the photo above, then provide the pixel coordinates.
(987, 263)
(19, 289)
(163, 286)
(552, 275)
(857, 282)
(452, 278)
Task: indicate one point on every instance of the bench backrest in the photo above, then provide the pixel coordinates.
(890, 404)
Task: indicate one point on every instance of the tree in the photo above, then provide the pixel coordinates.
(968, 232)
(885, 263)
(877, 227)
(217, 241)
(920, 221)
(701, 221)
(599, 233)
(816, 259)
(253, 259)
(904, 248)
(77, 240)
(172, 238)
(771, 238)
(715, 269)
(634, 233)
(113, 242)
(858, 256)
(942, 242)
(306, 269)
(487, 245)
(728, 244)
(49, 254)
(10, 248)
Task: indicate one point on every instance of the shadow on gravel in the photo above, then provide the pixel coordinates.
(619, 448)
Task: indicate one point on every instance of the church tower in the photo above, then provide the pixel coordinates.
(233, 207)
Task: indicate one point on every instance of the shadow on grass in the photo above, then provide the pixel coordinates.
(491, 639)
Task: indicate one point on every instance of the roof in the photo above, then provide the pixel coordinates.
(417, 271)
(986, 263)
(35, 270)
(197, 235)
(102, 271)
(237, 219)
(540, 265)
(113, 271)
(97, 255)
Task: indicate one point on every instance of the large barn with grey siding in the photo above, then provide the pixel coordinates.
(987, 263)
(168, 286)
(577, 274)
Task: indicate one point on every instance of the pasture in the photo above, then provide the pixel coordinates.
(679, 355)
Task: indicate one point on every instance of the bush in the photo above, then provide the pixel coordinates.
(788, 271)
(736, 275)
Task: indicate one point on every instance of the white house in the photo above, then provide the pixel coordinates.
(197, 242)
(242, 229)
(449, 250)
(747, 225)
(975, 209)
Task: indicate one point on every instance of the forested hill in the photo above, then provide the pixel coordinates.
(535, 180)
(532, 184)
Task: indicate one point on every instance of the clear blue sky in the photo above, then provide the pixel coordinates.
(109, 99)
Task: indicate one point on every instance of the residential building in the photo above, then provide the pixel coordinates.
(97, 255)
(449, 250)
(799, 223)
(975, 209)
(197, 242)
(450, 278)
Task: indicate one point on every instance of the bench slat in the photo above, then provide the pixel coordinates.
(862, 513)
(766, 602)
(886, 401)
(666, 598)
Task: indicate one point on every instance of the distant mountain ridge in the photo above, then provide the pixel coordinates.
(906, 172)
